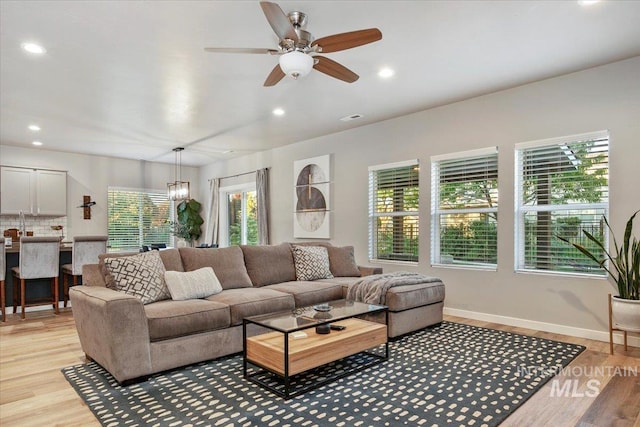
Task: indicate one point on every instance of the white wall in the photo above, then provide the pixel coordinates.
(606, 97)
(92, 175)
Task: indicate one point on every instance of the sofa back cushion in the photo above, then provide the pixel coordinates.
(227, 263)
(171, 259)
(267, 265)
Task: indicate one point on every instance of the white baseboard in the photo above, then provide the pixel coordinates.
(632, 339)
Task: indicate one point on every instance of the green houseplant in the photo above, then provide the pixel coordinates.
(188, 223)
(624, 260)
(624, 268)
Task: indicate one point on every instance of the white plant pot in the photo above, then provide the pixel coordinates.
(626, 314)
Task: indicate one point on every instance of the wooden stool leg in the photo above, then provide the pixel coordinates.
(56, 295)
(625, 341)
(15, 294)
(22, 297)
(65, 288)
(3, 302)
(610, 327)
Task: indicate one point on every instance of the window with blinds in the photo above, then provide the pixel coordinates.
(562, 189)
(137, 218)
(394, 212)
(464, 209)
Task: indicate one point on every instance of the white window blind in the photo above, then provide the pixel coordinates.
(464, 208)
(137, 218)
(394, 211)
(562, 188)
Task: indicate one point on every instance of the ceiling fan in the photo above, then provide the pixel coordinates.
(298, 50)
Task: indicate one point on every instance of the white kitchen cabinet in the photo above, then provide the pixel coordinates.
(33, 191)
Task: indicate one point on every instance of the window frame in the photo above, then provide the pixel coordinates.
(224, 210)
(372, 215)
(141, 242)
(437, 212)
(521, 209)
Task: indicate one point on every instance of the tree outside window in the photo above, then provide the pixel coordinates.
(242, 218)
(137, 218)
(562, 189)
(394, 212)
(464, 208)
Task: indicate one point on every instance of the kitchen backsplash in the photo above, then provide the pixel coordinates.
(41, 226)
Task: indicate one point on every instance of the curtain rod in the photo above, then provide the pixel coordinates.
(238, 174)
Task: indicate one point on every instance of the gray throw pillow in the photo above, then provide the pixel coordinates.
(312, 262)
(195, 284)
(343, 262)
(139, 275)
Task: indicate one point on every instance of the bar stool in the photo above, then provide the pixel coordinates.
(2, 273)
(39, 259)
(85, 251)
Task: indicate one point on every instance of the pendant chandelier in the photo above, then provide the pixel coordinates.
(178, 190)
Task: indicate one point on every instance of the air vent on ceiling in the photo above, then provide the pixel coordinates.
(351, 117)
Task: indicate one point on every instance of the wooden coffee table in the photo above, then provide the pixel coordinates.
(290, 348)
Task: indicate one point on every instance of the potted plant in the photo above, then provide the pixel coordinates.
(622, 263)
(187, 226)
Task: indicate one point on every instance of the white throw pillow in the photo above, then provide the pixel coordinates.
(199, 283)
(312, 262)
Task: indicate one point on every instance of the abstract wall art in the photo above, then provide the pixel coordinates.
(312, 188)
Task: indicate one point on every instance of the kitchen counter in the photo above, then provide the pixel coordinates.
(15, 248)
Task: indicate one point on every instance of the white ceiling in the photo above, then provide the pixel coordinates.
(131, 79)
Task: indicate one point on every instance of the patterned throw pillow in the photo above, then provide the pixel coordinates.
(140, 275)
(312, 262)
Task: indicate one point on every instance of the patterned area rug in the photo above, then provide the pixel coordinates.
(450, 374)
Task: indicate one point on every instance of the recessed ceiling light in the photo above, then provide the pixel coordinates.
(37, 143)
(587, 2)
(385, 73)
(278, 112)
(34, 128)
(33, 48)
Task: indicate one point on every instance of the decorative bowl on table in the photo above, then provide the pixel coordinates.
(322, 308)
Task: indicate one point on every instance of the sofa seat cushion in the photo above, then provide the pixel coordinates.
(252, 302)
(401, 298)
(310, 293)
(170, 319)
(269, 264)
(340, 280)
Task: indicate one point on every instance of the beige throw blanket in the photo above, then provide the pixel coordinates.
(373, 289)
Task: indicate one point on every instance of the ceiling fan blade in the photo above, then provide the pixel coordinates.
(241, 50)
(333, 69)
(278, 21)
(275, 76)
(344, 41)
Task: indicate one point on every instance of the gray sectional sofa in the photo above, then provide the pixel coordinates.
(133, 340)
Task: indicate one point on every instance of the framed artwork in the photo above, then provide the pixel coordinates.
(311, 197)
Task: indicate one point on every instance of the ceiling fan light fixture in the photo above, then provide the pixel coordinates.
(296, 64)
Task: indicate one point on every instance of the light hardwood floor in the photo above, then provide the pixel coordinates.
(33, 391)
